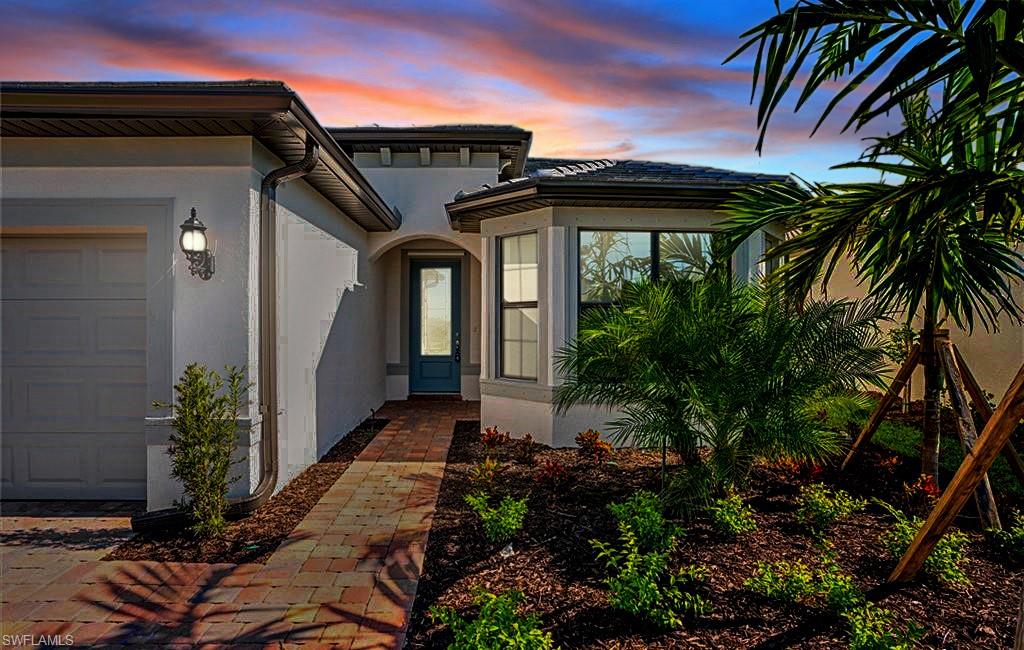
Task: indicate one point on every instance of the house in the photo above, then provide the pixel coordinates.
(340, 267)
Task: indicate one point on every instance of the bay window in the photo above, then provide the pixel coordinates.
(517, 299)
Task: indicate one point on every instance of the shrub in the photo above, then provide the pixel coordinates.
(721, 372)
(483, 474)
(592, 447)
(730, 516)
(524, 450)
(821, 508)
(640, 580)
(873, 628)
(642, 584)
(552, 474)
(498, 626)
(837, 589)
(203, 442)
(795, 582)
(642, 515)
(501, 523)
(493, 438)
(787, 582)
(1010, 541)
(945, 563)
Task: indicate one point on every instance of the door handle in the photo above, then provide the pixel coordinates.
(458, 349)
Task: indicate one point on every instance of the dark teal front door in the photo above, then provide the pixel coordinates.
(435, 348)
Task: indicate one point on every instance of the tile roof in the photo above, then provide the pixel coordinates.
(639, 171)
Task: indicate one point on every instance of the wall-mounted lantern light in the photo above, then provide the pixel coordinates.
(194, 245)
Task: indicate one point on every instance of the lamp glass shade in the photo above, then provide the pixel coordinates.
(193, 240)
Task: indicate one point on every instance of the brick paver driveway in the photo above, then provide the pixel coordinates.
(345, 578)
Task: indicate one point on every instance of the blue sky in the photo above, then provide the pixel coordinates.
(590, 78)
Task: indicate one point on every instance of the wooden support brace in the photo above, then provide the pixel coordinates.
(983, 497)
(991, 442)
(902, 377)
(977, 395)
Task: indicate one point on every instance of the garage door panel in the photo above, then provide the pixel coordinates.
(42, 268)
(74, 368)
(89, 399)
(74, 332)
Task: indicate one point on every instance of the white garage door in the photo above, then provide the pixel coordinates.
(74, 367)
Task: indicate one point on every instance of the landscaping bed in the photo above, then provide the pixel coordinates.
(555, 567)
(254, 538)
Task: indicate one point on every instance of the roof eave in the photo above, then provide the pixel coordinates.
(265, 103)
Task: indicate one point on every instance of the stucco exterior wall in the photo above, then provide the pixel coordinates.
(83, 182)
(993, 356)
(330, 339)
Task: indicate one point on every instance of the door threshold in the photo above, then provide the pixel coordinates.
(440, 397)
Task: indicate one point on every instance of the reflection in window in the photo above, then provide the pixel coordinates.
(684, 255)
(436, 311)
(609, 259)
(518, 301)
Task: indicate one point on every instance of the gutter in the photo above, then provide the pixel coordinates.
(267, 384)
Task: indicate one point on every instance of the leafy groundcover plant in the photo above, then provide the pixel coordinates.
(205, 411)
(722, 373)
(820, 508)
(640, 580)
(731, 517)
(945, 563)
(1010, 541)
(501, 523)
(498, 626)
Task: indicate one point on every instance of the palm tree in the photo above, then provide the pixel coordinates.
(957, 211)
(729, 369)
(941, 241)
(897, 49)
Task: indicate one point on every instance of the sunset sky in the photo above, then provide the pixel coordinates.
(589, 78)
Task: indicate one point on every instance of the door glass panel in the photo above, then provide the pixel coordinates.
(436, 311)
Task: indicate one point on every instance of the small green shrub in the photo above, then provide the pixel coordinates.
(731, 517)
(642, 584)
(690, 490)
(945, 563)
(1010, 540)
(642, 514)
(820, 508)
(873, 628)
(498, 626)
(483, 474)
(787, 582)
(837, 589)
(640, 581)
(203, 442)
(501, 523)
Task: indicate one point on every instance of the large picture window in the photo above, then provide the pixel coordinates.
(611, 258)
(518, 330)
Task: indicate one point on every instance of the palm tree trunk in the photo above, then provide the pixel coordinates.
(932, 387)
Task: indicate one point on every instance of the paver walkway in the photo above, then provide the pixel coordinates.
(345, 578)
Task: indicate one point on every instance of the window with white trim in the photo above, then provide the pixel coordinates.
(518, 313)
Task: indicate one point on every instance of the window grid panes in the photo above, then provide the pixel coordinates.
(518, 304)
(608, 259)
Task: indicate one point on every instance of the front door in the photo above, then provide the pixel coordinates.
(435, 348)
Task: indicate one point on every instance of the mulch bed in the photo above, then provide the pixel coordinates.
(554, 564)
(254, 538)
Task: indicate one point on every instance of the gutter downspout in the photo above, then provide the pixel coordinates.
(268, 327)
(267, 384)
